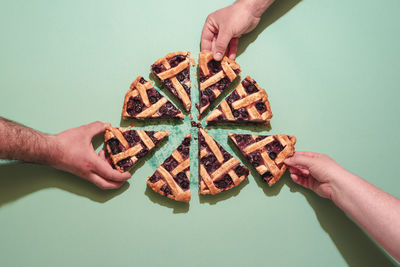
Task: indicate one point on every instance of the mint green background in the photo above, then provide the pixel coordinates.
(331, 69)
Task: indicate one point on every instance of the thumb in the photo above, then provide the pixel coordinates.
(300, 159)
(221, 44)
(95, 128)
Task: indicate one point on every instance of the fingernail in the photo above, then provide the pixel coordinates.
(218, 56)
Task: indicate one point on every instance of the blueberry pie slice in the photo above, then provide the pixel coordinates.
(266, 153)
(174, 72)
(142, 101)
(215, 77)
(126, 146)
(219, 171)
(172, 177)
(247, 103)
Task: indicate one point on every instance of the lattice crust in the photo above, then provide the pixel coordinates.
(172, 177)
(247, 103)
(266, 153)
(215, 77)
(125, 146)
(174, 72)
(142, 101)
(219, 171)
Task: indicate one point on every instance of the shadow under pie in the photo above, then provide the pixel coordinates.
(177, 206)
(249, 126)
(149, 122)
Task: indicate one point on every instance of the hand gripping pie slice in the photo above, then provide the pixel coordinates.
(247, 103)
(142, 101)
(219, 171)
(215, 77)
(173, 70)
(266, 153)
(126, 146)
(172, 177)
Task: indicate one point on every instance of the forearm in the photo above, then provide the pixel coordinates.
(376, 211)
(18, 142)
(257, 7)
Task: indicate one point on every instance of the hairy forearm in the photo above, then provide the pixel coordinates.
(376, 211)
(257, 7)
(18, 142)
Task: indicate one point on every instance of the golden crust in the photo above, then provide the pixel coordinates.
(276, 167)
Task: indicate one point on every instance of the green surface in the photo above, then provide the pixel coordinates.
(331, 69)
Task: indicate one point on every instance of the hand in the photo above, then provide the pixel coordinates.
(317, 172)
(74, 153)
(224, 27)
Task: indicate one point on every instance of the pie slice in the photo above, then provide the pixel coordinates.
(142, 101)
(219, 171)
(126, 146)
(247, 103)
(172, 177)
(215, 77)
(266, 153)
(174, 72)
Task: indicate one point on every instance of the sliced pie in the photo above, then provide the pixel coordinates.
(215, 77)
(172, 177)
(219, 171)
(126, 146)
(174, 72)
(142, 101)
(266, 153)
(247, 103)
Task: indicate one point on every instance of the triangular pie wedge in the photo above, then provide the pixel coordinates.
(247, 103)
(266, 153)
(126, 146)
(214, 77)
(173, 70)
(142, 101)
(219, 171)
(172, 177)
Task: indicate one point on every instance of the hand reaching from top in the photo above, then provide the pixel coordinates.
(223, 28)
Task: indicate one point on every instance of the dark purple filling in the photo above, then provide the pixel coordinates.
(182, 180)
(151, 135)
(170, 163)
(249, 86)
(214, 66)
(153, 95)
(243, 140)
(232, 97)
(224, 182)
(174, 61)
(267, 176)
(158, 68)
(134, 106)
(273, 149)
(132, 137)
(240, 170)
(255, 158)
(202, 141)
(142, 152)
(207, 96)
(168, 110)
(115, 146)
(184, 150)
(260, 106)
(142, 80)
(183, 76)
(166, 189)
(226, 155)
(186, 141)
(240, 114)
(210, 163)
(155, 177)
(125, 164)
(261, 137)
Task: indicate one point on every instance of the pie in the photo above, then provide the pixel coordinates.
(172, 177)
(126, 146)
(173, 70)
(266, 153)
(247, 103)
(142, 101)
(219, 171)
(215, 77)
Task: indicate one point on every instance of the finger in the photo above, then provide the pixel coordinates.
(207, 36)
(233, 46)
(96, 128)
(300, 159)
(299, 180)
(104, 183)
(221, 44)
(102, 155)
(104, 169)
(299, 171)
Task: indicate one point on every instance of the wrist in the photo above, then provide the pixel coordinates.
(255, 7)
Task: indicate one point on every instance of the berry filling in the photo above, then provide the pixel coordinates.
(240, 170)
(255, 158)
(132, 137)
(267, 176)
(210, 163)
(170, 163)
(174, 61)
(224, 182)
(115, 146)
(273, 149)
(166, 189)
(260, 106)
(182, 180)
(155, 177)
(125, 164)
